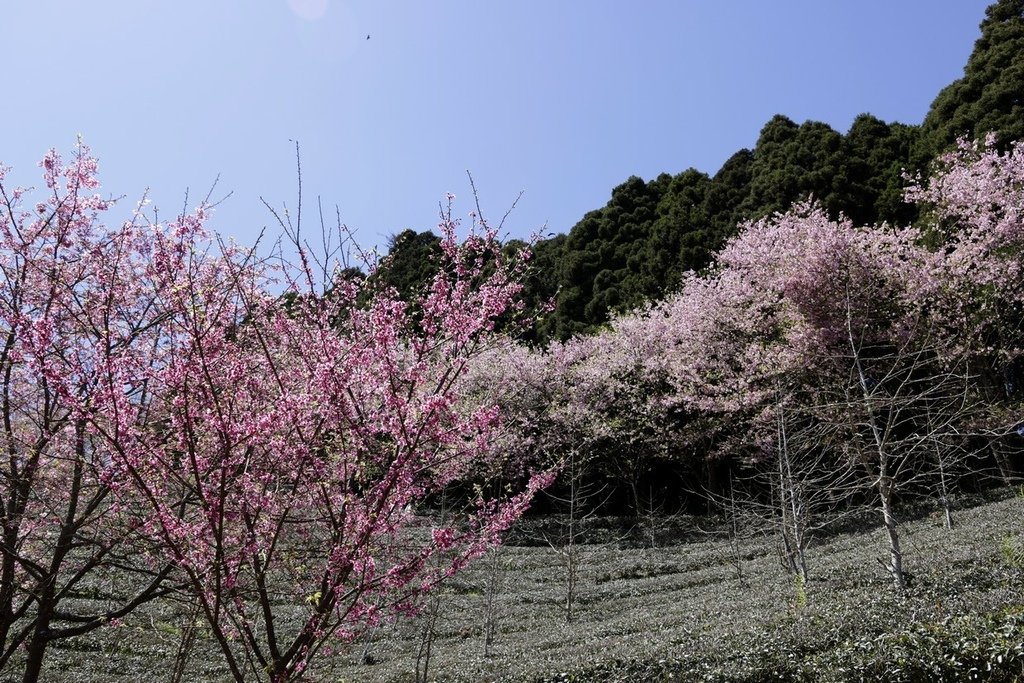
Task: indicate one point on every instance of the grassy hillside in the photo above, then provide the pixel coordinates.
(703, 609)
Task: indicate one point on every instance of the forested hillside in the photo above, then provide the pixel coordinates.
(693, 313)
(637, 246)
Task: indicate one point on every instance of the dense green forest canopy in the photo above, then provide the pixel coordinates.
(989, 96)
(637, 246)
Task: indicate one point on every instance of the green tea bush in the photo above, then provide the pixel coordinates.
(966, 648)
(986, 648)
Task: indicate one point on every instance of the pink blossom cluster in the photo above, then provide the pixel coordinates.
(777, 312)
(260, 451)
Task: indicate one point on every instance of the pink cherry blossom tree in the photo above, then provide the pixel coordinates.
(83, 324)
(976, 197)
(171, 421)
(805, 309)
(301, 439)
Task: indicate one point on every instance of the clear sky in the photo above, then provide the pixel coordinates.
(563, 99)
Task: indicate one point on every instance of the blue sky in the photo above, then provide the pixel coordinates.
(562, 99)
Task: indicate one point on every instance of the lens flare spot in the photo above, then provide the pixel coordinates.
(310, 10)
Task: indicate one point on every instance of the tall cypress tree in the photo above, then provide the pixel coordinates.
(990, 96)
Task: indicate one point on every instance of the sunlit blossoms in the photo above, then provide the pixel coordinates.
(168, 414)
(892, 350)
